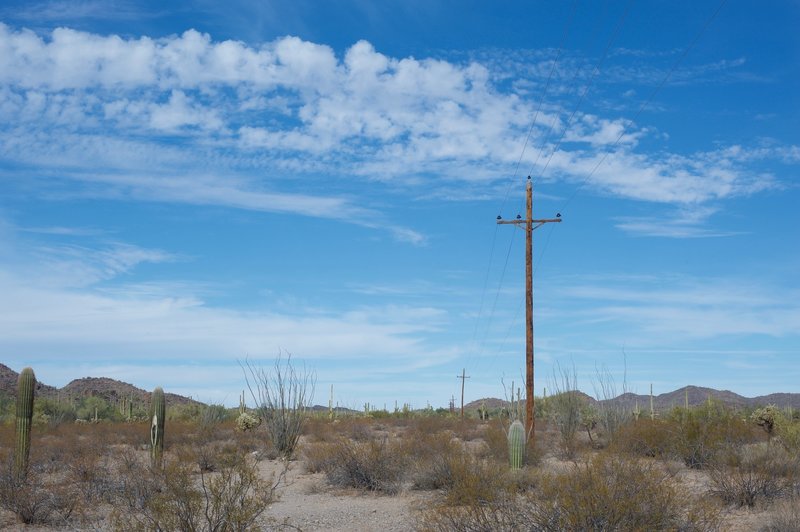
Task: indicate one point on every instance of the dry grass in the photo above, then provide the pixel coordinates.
(785, 517)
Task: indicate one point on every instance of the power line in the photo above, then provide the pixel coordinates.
(565, 34)
(614, 35)
(596, 70)
(649, 98)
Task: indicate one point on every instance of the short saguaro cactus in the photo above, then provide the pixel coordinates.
(157, 414)
(516, 444)
(26, 383)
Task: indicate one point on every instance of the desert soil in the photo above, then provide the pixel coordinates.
(307, 503)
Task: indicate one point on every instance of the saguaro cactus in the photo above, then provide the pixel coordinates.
(157, 414)
(25, 386)
(516, 444)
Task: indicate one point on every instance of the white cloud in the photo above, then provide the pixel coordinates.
(243, 117)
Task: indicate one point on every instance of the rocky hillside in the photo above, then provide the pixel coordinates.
(109, 389)
(8, 383)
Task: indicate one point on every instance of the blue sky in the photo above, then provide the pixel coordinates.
(184, 186)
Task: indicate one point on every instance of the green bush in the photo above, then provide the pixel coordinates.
(701, 432)
(752, 473)
(645, 437)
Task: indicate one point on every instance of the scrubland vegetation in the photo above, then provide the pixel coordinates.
(683, 469)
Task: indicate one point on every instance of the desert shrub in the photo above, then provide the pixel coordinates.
(566, 416)
(213, 415)
(784, 517)
(467, 480)
(497, 441)
(565, 408)
(434, 424)
(503, 515)
(644, 437)
(788, 433)
(357, 429)
(86, 468)
(701, 432)
(319, 457)
(608, 493)
(175, 498)
(611, 414)
(318, 429)
(94, 407)
(54, 412)
(37, 498)
(373, 465)
(462, 477)
(752, 473)
(211, 455)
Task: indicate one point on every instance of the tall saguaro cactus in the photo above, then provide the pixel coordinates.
(516, 444)
(25, 386)
(157, 414)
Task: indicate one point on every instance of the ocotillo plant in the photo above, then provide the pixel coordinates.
(157, 414)
(516, 444)
(25, 386)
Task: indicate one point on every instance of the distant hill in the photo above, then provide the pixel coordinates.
(109, 389)
(696, 395)
(8, 383)
(113, 390)
(488, 402)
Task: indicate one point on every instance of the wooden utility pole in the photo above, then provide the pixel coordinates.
(463, 378)
(529, 224)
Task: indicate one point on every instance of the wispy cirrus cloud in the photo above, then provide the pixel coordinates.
(72, 10)
(676, 309)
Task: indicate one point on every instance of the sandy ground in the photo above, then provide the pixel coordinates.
(307, 503)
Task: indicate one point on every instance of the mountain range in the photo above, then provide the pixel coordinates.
(113, 390)
(694, 395)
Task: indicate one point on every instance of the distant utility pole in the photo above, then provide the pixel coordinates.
(529, 224)
(463, 378)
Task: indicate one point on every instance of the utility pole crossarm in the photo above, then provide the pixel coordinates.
(522, 222)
